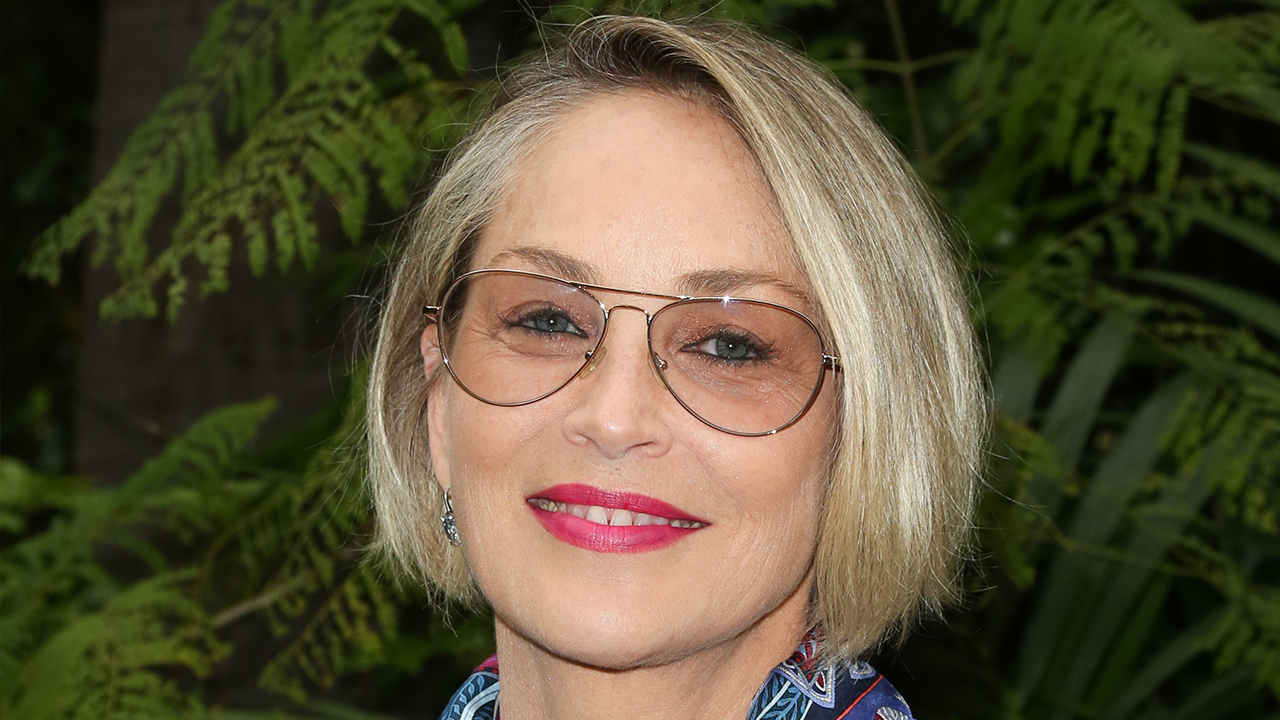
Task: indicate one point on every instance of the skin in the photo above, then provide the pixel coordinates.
(643, 191)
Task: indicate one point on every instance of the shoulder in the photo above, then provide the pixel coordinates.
(870, 696)
(801, 687)
(477, 699)
(828, 692)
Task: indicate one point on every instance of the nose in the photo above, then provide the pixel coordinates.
(619, 406)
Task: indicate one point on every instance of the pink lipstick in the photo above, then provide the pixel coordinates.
(610, 521)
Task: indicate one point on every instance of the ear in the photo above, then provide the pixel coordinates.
(432, 369)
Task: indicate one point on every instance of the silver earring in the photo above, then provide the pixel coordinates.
(448, 523)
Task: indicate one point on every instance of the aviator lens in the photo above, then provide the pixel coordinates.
(740, 365)
(513, 338)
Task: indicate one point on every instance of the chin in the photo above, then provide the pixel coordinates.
(614, 651)
(604, 635)
(611, 656)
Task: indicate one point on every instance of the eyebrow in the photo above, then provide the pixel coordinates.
(717, 283)
(552, 262)
(700, 283)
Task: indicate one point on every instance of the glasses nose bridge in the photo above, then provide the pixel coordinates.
(648, 316)
(648, 319)
(594, 357)
(595, 290)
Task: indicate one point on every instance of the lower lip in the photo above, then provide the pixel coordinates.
(609, 538)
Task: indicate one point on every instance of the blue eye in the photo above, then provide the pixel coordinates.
(729, 347)
(550, 321)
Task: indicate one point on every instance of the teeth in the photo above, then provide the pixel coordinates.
(616, 517)
(690, 524)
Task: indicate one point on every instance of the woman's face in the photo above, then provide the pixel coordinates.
(640, 192)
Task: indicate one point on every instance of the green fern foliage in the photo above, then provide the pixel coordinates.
(330, 132)
(88, 644)
(1069, 160)
(299, 549)
(349, 626)
(108, 664)
(1099, 91)
(1115, 78)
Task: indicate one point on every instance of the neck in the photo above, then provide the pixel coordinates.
(718, 681)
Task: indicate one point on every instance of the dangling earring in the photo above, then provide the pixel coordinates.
(448, 523)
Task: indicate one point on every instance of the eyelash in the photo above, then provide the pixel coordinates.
(757, 353)
(525, 321)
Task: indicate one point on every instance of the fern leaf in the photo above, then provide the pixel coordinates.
(1255, 308)
(1079, 76)
(1262, 240)
(108, 664)
(122, 207)
(357, 614)
(329, 127)
(1245, 168)
(1169, 154)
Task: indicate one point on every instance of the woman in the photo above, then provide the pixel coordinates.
(676, 374)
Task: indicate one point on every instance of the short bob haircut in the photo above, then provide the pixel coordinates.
(904, 471)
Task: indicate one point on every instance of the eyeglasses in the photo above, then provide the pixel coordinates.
(745, 367)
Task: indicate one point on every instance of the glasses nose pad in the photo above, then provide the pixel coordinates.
(657, 364)
(594, 358)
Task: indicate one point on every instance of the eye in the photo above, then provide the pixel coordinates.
(729, 347)
(549, 320)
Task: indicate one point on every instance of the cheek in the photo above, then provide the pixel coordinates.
(479, 451)
(768, 530)
(782, 484)
(787, 469)
(490, 452)
(770, 488)
(480, 436)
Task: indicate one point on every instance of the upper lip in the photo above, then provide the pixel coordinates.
(578, 494)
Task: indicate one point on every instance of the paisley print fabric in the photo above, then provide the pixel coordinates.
(477, 699)
(802, 687)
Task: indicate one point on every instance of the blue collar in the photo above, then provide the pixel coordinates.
(802, 687)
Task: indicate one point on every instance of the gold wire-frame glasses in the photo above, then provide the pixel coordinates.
(745, 367)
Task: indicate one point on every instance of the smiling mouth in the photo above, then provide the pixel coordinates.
(610, 521)
(613, 517)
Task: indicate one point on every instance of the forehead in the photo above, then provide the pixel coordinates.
(643, 190)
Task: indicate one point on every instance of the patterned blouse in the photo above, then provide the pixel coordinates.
(803, 687)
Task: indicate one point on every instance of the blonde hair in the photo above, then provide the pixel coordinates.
(902, 486)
